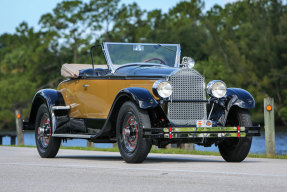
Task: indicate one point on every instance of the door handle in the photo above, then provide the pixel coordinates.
(85, 85)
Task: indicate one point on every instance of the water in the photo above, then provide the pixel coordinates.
(29, 139)
(258, 143)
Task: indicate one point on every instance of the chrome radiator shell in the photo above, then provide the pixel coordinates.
(187, 84)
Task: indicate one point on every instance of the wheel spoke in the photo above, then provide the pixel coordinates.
(130, 132)
(44, 131)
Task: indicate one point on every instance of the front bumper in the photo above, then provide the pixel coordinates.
(200, 132)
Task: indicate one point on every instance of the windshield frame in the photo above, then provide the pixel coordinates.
(113, 67)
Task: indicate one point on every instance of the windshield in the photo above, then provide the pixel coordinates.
(119, 54)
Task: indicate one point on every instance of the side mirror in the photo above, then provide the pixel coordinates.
(187, 62)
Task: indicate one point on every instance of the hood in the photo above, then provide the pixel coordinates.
(146, 70)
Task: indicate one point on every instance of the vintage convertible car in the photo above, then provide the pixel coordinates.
(144, 96)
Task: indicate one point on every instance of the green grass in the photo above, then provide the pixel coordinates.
(164, 151)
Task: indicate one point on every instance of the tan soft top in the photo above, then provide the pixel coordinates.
(73, 70)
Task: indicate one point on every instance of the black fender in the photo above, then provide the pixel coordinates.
(140, 96)
(234, 97)
(50, 97)
(241, 98)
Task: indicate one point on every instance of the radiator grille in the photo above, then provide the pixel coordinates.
(187, 84)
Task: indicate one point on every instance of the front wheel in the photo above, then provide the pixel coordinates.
(47, 145)
(130, 122)
(237, 149)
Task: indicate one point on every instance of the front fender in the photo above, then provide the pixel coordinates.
(240, 98)
(51, 98)
(141, 96)
(234, 97)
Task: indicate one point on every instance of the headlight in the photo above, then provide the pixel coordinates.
(216, 88)
(162, 89)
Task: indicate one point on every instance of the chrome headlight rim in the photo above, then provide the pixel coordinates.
(162, 89)
(216, 88)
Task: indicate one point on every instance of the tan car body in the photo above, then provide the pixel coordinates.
(93, 98)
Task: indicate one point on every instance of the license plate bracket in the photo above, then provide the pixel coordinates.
(203, 123)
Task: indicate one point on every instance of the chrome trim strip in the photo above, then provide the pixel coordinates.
(78, 136)
(54, 119)
(108, 58)
(61, 107)
(202, 135)
(190, 100)
(177, 58)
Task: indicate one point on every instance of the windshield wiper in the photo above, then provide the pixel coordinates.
(160, 45)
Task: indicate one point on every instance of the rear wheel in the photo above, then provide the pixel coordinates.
(131, 120)
(47, 146)
(236, 149)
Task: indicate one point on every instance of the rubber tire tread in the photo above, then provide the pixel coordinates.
(54, 143)
(144, 145)
(241, 150)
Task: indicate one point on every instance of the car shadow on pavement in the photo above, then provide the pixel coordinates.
(92, 157)
(179, 159)
(151, 159)
(192, 159)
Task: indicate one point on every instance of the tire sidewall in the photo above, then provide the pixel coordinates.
(54, 143)
(238, 152)
(143, 145)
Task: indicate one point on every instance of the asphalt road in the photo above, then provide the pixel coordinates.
(21, 169)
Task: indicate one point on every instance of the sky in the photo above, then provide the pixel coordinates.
(13, 12)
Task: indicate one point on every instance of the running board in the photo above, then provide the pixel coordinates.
(76, 136)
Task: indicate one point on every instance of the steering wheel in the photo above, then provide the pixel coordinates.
(155, 58)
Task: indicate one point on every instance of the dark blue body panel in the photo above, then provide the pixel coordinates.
(141, 96)
(241, 98)
(235, 97)
(50, 97)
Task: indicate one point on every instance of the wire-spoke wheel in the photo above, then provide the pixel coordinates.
(133, 147)
(130, 132)
(44, 131)
(47, 146)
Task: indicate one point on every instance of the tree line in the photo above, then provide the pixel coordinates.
(243, 44)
